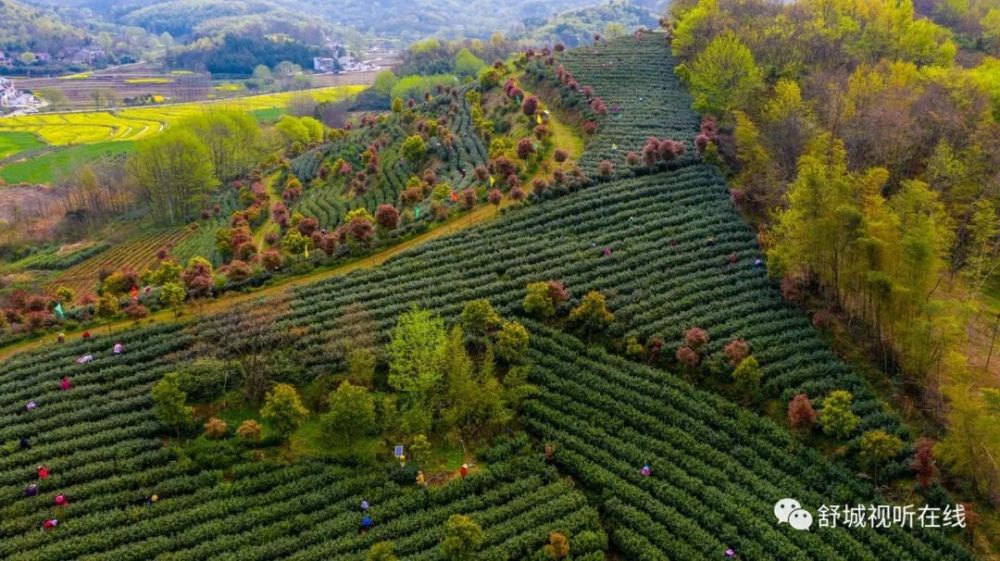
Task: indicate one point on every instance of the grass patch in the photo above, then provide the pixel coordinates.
(151, 80)
(47, 167)
(269, 115)
(13, 142)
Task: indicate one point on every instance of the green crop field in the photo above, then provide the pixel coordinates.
(47, 167)
(13, 142)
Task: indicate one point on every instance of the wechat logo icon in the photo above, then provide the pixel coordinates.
(791, 512)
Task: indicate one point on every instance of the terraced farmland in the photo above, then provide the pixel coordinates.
(669, 250)
(101, 443)
(636, 77)
(136, 253)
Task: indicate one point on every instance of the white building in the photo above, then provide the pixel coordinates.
(13, 98)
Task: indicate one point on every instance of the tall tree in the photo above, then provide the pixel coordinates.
(351, 417)
(175, 170)
(284, 410)
(168, 402)
(724, 77)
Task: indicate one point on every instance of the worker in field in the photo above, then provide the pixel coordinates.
(61, 500)
(464, 470)
(366, 523)
(50, 523)
(43, 472)
(118, 348)
(25, 445)
(61, 338)
(646, 471)
(85, 336)
(364, 506)
(65, 384)
(31, 490)
(420, 479)
(85, 359)
(30, 406)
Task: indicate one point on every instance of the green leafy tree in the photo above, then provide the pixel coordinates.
(479, 318)
(512, 342)
(107, 308)
(413, 148)
(592, 315)
(416, 352)
(724, 77)
(284, 410)
(836, 416)
(467, 64)
(168, 402)
(420, 448)
(351, 418)
(877, 448)
(537, 301)
(172, 295)
(65, 294)
(747, 376)
(384, 82)
(175, 171)
(463, 538)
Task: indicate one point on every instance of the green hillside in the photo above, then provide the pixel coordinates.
(666, 247)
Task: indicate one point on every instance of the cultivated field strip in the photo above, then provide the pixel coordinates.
(718, 470)
(636, 76)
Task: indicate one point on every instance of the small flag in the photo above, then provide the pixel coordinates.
(397, 451)
(59, 311)
(306, 248)
(492, 181)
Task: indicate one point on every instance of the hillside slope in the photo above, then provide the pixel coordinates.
(718, 469)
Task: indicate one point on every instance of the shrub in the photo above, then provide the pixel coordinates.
(387, 216)
(736, 350)
(696, 338)
(688, 357)
(836, 416)
(249, 430)
(215, 428)
(801, 415)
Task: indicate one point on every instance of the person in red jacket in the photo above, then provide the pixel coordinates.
(61, 500)
(43, 472)
(65, 384)
(464, 470)
(50, 523)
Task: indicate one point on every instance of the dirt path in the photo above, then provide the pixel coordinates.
(565, 138)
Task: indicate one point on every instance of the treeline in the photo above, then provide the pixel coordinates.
(868, 157)
(170, 176)
(240, 55)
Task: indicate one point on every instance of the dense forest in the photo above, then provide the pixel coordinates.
(863, 142)
(239, 55)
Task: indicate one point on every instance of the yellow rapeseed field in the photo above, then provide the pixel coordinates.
(60, 129)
